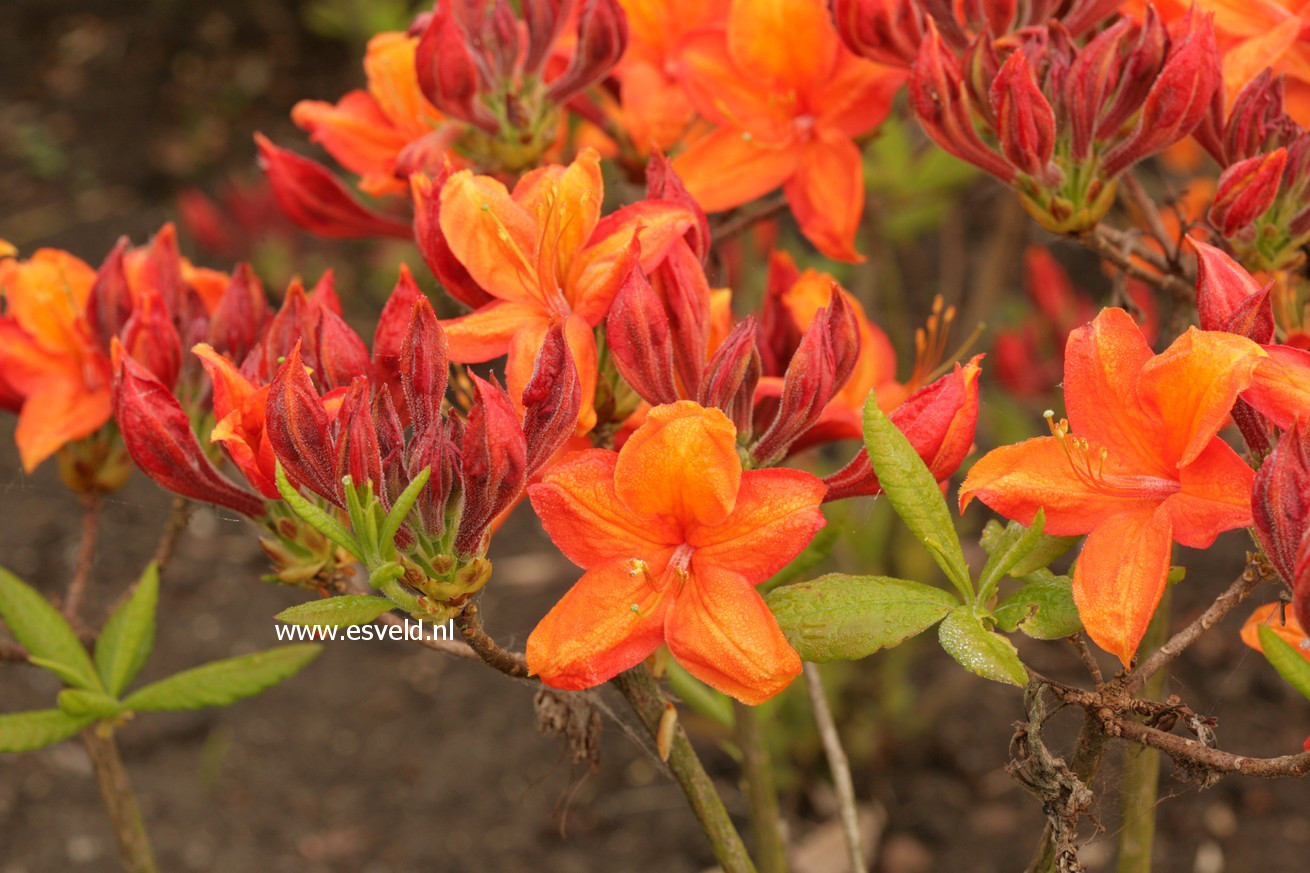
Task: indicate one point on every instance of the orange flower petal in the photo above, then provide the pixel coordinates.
(1120, 577)
(599, 269)
(722, 93)
(231, 387)
(1018, 480)
(1216, 496)
(776, 516)
(1192, 385)
(791, 42)
(526, 345)
(682, 463)
(491, 235)
(857, 97)
(393, 82)
(721, 630)
(727, 168)
(1280, 389)
(61, 412)
(826, 194)
(486, 333)
(585, 519)
(565, 201)
(354, 132)
(1102, 361)
(1269, 614)
(594, 632)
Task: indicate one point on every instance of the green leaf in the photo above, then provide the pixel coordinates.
(1290, 664)
(400, 509)
(343, 611)
(25, 731)
(1012, 545)
(129, 635)
(88, 704)
(315, 517)
(1042, 548)
(1042, 608)
(814, 554)
(979, 650)
(839, 617)
(45, 634)
(914, 494)
(223, 682)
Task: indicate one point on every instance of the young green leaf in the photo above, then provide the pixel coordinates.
(1290, 664)
(223, 682)
(914, 494)
(25, 731)
(1042, 608)
(315, 517)
(343, 611)
(45, 634)
(400, 510)
(1012, 545)
(129, 635)
(840, 618)
(88, 704)
(979, 650)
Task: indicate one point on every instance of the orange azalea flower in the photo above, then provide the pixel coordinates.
(239, 406)
(546, 255)
(656, 111)
(1282, 622)
(1145, 468)
(54, 370)
(787, 98)
(674, 536)
(368, 131)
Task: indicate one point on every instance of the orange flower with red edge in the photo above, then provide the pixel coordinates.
(1137, 466)
(546, 255)
(787, 99)
(674, 536)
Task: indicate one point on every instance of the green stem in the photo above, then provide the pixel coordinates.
(120, 801)
(761, 792)
(643, 694)
(1142, 766)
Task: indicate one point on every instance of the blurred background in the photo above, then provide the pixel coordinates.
(119, 115)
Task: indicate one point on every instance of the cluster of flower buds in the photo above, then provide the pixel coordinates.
(500, 72)
(1056, 118)
(1260, 205)
(1280, 505)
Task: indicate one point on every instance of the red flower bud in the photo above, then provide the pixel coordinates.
(637, 334)
(313, 198)
(1093, 75)
(1228, 298)
(357, 452)
(436, 449)
(940, 99)
(680, 281)
(778, 333)
(390, 433)
(161, 271)
(887, 31)
(494, 459)
(1280, 506)
(424, 365)
(1256, 114)
(150, 337)
(448, 70)
(1246, 190)
(1025, 124)
(1135, 75)
(662, 183)
(1178, 100)
(109, 305)
(157, 434)
(602, 38)
(938, 420)
(241, 315)
(325, 293)
(342, 355)
(299, 430)
(819, 369)
(452, 275)
(544, 19)
(551, 400)
(390, 333)
(295, 319)
(733, 373)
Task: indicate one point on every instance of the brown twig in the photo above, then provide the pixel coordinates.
(172, 532)
(86, 551)
(1088, 659)
(744, 218)
(643, 694)
(116, 791)
(470, 625)
(1102, 241)
(1188, 751)
(838, 765)
(1174, 647)
(1150, 211)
